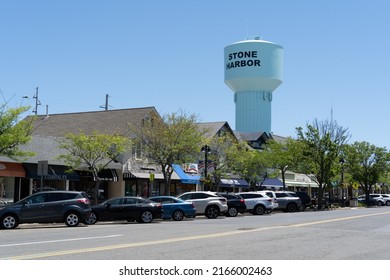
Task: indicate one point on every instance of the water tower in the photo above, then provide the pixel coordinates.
(253, 70)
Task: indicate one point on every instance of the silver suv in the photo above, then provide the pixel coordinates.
(287, 202)
(206, 203)
(373, 199)
(386, 198)
(272, 195)
(257, 203)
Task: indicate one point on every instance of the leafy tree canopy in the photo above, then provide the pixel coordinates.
(92, 152)
(173, 139)
(322, 144)
(366, 164)
(14, 132)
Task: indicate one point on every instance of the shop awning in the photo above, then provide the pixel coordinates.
(185, 177)
(104, 175)
(108, 175)
(271, 183)
(301, 184)
(234, 183)
(12, 169)
(55, 172)
(138, 175)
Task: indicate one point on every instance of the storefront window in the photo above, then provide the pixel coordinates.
(130, 188)
(7, 187)
(48, 185)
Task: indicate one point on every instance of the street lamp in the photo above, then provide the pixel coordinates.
(284, 169)
(342, 161)
(205, 149)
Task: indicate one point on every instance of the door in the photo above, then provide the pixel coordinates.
(112, 210)
(34, 209)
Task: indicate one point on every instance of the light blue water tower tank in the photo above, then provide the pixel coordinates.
(253, 70)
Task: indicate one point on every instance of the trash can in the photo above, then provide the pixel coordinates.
(353, 202)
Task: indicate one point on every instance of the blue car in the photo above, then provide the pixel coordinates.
(175, 208)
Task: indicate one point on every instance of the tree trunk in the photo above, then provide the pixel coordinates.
(97, 184)
(284, 179)
(320, 196)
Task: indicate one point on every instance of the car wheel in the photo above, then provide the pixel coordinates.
(302, 208)
(92, 219)
(379, 203)
(232, 212)
(212, 212)
(146, 217)
(72, 219)
(9, 222)
(292, 207)
(177, 215)
(259, 210)
(387, 203)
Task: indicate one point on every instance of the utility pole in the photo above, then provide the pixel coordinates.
(105, 107)
(37, 102)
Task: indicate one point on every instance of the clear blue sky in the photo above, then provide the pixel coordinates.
(169, 54)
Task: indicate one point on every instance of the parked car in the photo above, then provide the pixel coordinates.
(305, 199)
(386, 197)
(175, 208)
(257, 203)
(272, 195)
(373, 199)
(236, 204)
(69, 207)
(206, 203)
(287, 202)
(128, 208)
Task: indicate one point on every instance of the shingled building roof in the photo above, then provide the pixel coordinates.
(214, 128)
(110, 121)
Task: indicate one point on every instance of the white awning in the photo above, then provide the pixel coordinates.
(157, 176)
(301, 184)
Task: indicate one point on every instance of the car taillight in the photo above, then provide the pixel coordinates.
(84, 200)
(193, 205)
(270, 200)
(242, 200)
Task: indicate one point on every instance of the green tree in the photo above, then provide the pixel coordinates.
(93, 152)
(173, 139)
(14, 132)
(219, 147)
(250, 164)
(366, 164)
(321, 145)
(282, 155)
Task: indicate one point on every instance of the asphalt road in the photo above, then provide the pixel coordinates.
(347, 234)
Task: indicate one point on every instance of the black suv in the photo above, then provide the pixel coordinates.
(236, 204)
(305, 199)
(69, 207)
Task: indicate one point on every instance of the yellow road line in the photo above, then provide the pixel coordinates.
(179, 239)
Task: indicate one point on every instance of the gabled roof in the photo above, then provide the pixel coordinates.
(251, 136)
(214, 128)
(110, 121)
